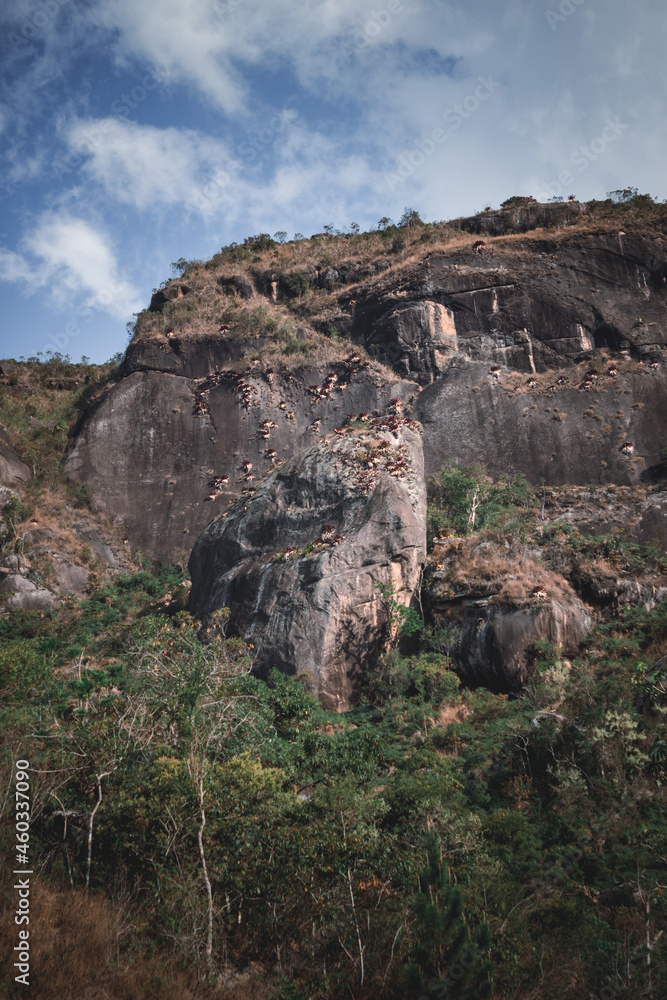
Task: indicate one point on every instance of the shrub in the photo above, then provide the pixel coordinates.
(462, 500)
(518, 199)
(295, 284)
(410, 217)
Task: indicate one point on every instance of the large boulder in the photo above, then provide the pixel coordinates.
(71, 579)
(496, 644)
(23, 595)
(12, 469)
(499, 601)
(32, 600)
(299, 559)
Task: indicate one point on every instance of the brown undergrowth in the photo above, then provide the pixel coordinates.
(507, 573)
(84, 947)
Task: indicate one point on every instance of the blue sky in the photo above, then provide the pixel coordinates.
(134, 133)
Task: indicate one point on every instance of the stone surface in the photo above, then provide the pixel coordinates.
(12, 469)
(523, 218)
(99, 547)
(500, 600)
(531, 305)
(34, 536)
(496, 644)
(72, 579)
(19, 564)
(543, 304)
(238, 284)
(638, 513)
(16, 584)
(153, 445)
(299, 560)
(33, 600)
(551, 432)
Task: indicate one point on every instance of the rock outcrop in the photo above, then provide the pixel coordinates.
(496, 645)
(24, 595)
(500, 602)
(522, 218)
(298, 560)
(193, 408)
(541, 350)
(12, 469)
(637, 513)
(165, 451)
(531, 305)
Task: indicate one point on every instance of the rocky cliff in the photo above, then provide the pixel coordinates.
(565, 329)
(12, 469)
(538, 350)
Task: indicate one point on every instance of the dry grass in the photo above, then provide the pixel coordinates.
(506, 574)
(260, 329)
(294, 325)
(84, 948)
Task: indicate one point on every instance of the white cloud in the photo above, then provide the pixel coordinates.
(150, 168)
(146, 166)
(72, 259)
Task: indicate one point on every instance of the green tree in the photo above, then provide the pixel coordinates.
(410, 217)
(445, 961)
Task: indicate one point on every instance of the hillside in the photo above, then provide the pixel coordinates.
(333, 622)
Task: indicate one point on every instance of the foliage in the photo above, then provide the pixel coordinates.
(295, 284)
(181, 266)
(462, 500)
(518, 199)
(404, 620)
(622, 195)
(309, 826)
(444, 960)
(410, 217)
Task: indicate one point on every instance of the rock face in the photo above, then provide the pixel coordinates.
(190, 408)
(157, 443)
(571, 429)
(541, 349)
(24, 595)
(637, 513)
(522, 218)
(530, 305)
(71, 579)
(12, 469)
(299, 560)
